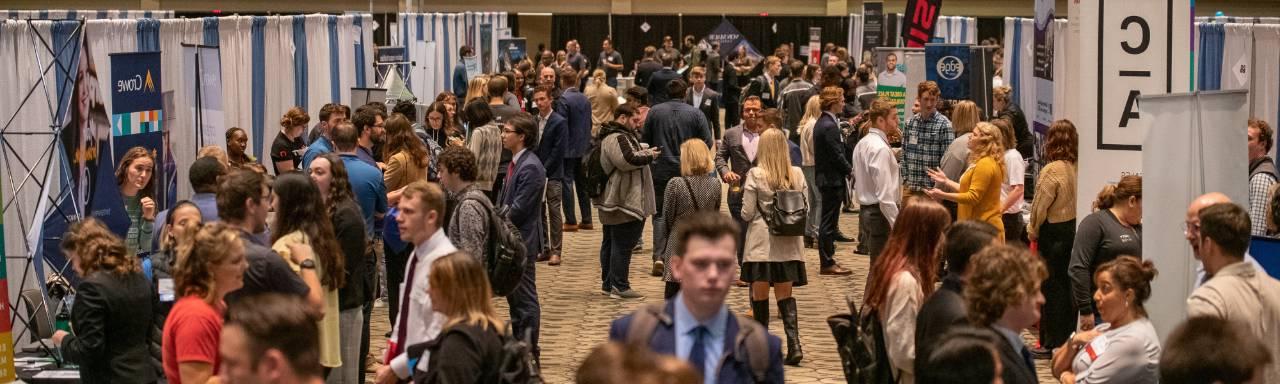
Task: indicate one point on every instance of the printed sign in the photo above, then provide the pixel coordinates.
(897, 96)
(948, 65)
(872, 25)
(920, 20)
(1042, 67)
(732, 41)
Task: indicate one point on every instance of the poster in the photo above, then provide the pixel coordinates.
(897, 96)
(815, 45)
(1042, 66)
(921, 18)
(511, 51)
(486, 47)
(872, 26)
(948, 65)
(137, 116)
(472, 64)
(204, 63)
(731, 42)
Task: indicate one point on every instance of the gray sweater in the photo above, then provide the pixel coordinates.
(1099, 239)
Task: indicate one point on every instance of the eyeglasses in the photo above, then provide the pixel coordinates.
(1191, 229)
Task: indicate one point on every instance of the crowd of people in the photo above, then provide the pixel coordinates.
(272, 277)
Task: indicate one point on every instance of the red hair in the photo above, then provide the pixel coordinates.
(913, 247)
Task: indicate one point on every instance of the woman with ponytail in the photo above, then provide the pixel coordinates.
(1114, 229)
(1125, 347)
(603, 100)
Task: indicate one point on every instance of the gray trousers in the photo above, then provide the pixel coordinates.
(815, 200)
(873, 227)
(555, 217)
(350, 325)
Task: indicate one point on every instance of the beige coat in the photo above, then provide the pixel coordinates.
(1241, 293)
(401, 171)
(757, 197)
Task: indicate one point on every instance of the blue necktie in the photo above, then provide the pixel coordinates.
(1026, 357)
(698, 355)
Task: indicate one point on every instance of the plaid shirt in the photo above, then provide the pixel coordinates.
(1259, 198)
(923, 144)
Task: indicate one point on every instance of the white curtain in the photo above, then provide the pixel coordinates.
(957, 29)
(346, 58)
(1061, 103)
(235, 51)
(1237, 56)
(318, 76)
(449, 31)
(182, 135)
(856, 34)
(1019, 58)
(1266, 85)
(278, 97)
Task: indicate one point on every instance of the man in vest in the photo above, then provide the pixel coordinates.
(1262, 174)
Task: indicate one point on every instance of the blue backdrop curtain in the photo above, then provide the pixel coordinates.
(259, 74)
(300, 59)
(148, 35)
(1210, 62)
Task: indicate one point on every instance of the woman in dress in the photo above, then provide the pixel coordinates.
(1125, 347)
(1114, 229)
(137, 187)
(301, 218)
(694, 191)
(903, 276)
(769, 260)
(1053, 228)
(978, 196)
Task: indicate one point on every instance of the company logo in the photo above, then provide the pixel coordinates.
(149, 86)
(950, 67)
(137, 83)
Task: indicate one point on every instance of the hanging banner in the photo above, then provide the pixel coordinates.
(487, 45)
(1042, 66)
(948, 65)
(137, 116)
(872, 26)
(203, 63)
(511, 51)
(7, 373)
(921, 18)
(732, 41)
(815, 45)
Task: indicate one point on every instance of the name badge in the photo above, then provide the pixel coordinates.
(706, 102)
(766, 96)
(913, 141)
(165, 288)
(610, 59)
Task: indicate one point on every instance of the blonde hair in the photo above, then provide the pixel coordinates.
(477, 89)
(1006, 132)
(695, 158)
(812, 111)
(775, 159)
(597, 77)
(990, 144)
(463, 280)
(964, 116)
(215, 152)
(1002, 93)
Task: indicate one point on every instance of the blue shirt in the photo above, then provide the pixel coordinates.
(366, 184)
(319, 147)
(714, 342)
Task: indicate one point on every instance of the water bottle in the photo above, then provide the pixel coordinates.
(62, 321)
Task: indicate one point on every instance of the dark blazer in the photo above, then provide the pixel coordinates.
(668, 126)
(731, 157)
(1015, 368)
(1026, 142)
(943, 310)
(113, 317)
(710, 107)
(644, 70)
(348, 227)
(657, 85)
(733, 369)
(461, 354)
(829, 157)
(577, 112)
(522, 197)
(759, 86)
(552, 145)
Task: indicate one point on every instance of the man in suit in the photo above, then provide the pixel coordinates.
(657, 84)
(522, 200)
(647, 66)
(831, 167)
(794, 97)
(576, 109)
(992, 305)
(667, 126)
(766, 85)
(553, 130)
(715, 67)
(944, 309)
(704, 98)
(736, 155)
(696, 326)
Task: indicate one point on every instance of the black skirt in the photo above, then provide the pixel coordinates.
(775, 272)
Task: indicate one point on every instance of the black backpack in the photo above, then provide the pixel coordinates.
(595, 177)
(860, 343)
(789, 215)
(505, 257)
(516, 363)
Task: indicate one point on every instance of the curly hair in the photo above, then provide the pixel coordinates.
(340, 187)
(301, 209)
(294, 117)
(122, 172)
(97, 248)
(199, 252)
(999, 277)
(459, 161)
(991, 144)
(1062, 142)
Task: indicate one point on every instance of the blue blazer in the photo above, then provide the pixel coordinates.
(829, 158)
(577, 110)
(734, 369)
(657, 85)
(522, 195)
(551, 146)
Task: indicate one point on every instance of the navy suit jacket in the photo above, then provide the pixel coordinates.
(522, 197)
(657, 85)
(551, 146)
(577, 110)
(829, 158)
(734, 369)
(710, 107)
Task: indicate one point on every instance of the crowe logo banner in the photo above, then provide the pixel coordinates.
(136, 99)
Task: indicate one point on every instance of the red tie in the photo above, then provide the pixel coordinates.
(403, 321)
(511, 170)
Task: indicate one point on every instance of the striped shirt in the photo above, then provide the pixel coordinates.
(924, 141)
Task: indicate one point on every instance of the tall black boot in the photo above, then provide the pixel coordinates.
(791, 325)
(760, 311)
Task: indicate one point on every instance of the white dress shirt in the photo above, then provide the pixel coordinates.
(697, 97)
(875, 174)
(424, 322)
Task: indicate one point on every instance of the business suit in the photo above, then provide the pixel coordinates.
(551, 147)
(733, 367)
(710, 107)
(657, 85)
(831, 166)
(760, 86)
(732, 157)
(522, 200)
(668, 126)
(941, 311)
(1014, 366)
(114, 315)
(645, 69)
(576, 109)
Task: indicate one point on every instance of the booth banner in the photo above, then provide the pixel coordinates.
(487, 47)
(921, 18)
(872, 25)
(138, 106)
(7, 373)
(206, 107)
(472, 64)
(511, 51)
(897, 96)
(730, 39)
(815, 45)
(1043, 65)
(948, 65)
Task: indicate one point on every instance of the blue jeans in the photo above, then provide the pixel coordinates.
(526, 313)
(615, 254)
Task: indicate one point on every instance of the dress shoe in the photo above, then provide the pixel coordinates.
(835, 270)
(544, 257)
(809, 242)
(656, 270)
(585, 226)
(570, 228)
(554, 260)
(841, 238)
(1040, 353)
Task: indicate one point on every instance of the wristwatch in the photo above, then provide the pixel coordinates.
(307, 264)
